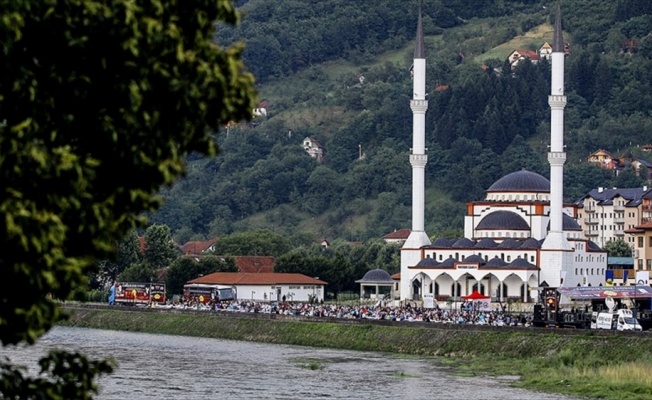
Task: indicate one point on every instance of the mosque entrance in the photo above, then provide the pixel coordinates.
(416, 289)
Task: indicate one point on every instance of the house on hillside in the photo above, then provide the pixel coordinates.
(603, 159)
(545, 51)
(519, 55)
(261, 109)
(643, 168)
(629, 47)
(399, 236)
(268, 286)
(198, 248)
(312, 146)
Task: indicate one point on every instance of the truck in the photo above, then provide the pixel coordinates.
(140, 293)
(203, 293)
(611, 319)
(548, 313)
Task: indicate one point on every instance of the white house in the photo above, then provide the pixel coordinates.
(268, 286)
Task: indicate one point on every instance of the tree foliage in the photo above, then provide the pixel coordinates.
(160, 249)
(100, 102)
(618, 248)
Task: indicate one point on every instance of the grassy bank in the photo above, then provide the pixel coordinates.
(600, 365)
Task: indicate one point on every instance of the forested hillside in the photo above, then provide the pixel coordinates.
(339, 71)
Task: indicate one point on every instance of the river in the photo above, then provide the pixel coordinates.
(176, 367)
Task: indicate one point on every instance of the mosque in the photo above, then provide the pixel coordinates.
(519, 238)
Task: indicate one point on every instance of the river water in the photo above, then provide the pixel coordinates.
(176, 367)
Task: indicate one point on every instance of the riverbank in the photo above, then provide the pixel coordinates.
(604, 365)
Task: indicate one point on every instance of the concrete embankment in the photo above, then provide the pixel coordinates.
(429, 339)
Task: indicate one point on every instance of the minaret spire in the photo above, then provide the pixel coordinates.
(556, 246)
(558, 40)
(420, 48)
(418, 157)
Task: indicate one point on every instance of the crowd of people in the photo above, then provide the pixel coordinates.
(465, 313)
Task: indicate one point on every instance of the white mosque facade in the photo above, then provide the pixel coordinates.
(520, 237)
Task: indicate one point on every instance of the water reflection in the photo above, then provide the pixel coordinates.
(176, 367)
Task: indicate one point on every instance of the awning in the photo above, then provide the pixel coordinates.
(602, 292)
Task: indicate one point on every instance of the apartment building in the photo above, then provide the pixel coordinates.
(640, 235)
(611, 214)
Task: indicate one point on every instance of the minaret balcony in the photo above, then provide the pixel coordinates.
(557, 101)
(419, 106)
(418, 160)
(556, 157)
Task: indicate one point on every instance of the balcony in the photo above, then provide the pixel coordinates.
(619, 232)
(591, 221)
(590, 233)
(647, 207)
(589, 210)
(619, 208)
(619, 221)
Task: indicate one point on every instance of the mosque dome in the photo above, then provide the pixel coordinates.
(441, 243)
(568, 223)
(486, 243)
(475, 258)
(377, 275)
(521, 263)
(506, 220)
(495, 262)
(521, 181)
(463, 243)
(427, 262)
(531, 244)
(509, 243)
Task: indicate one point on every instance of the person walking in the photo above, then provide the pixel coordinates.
(112, 293)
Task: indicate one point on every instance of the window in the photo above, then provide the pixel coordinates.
(640, 263)
(640, 241)
(649, 241)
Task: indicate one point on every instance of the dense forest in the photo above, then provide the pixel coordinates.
(339, 71)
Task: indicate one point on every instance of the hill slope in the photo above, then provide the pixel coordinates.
(482, 123)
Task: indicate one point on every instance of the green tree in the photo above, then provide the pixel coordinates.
(160, 249)
(142, 272)
(618, 248)
(95, 120)
(253, 243)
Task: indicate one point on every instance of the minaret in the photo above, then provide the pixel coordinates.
(418, 158)
(410, 252)
(553, 262)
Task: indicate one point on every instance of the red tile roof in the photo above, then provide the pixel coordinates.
(263, 278)
(397, 276)
(255, 264)
(197, 247)
(398, 234)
